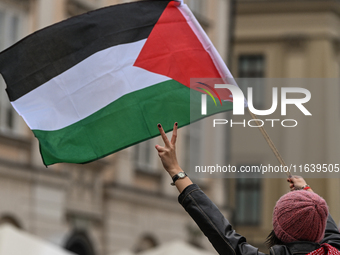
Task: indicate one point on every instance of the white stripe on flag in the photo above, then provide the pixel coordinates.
(86, 88)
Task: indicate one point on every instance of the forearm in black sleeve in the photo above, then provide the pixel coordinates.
(213, 224)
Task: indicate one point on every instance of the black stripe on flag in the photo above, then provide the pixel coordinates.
(49, 52)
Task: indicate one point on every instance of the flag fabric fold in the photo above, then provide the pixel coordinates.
(100, 82)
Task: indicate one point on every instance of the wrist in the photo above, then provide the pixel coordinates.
(174, 171)
(306, 187)
(176, 178)
(300, 186)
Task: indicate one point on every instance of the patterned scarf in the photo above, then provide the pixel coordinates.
(325, 249)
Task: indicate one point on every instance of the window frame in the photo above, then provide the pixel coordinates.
(249, 185)
(11, 124)
(145, 157)
(253, 76)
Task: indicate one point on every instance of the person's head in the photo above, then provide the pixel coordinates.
(298, 216)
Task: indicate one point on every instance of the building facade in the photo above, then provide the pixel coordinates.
(276, 40)
(123, 201)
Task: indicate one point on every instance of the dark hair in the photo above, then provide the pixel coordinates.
(272, 240)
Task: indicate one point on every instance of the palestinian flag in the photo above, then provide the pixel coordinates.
(100, 82)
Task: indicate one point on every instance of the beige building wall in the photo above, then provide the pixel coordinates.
(298, 39)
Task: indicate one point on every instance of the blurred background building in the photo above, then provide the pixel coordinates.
(121, 202)
(285, 39)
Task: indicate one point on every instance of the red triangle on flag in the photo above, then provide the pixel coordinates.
(173, 49)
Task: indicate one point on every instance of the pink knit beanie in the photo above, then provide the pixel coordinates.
(300, 216)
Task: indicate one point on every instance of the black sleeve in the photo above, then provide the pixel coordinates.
(213, 224)
(332, 234)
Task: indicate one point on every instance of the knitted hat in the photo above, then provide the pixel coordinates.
(300, 216)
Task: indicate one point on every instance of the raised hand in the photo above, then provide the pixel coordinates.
(297, 183)
(167, 153)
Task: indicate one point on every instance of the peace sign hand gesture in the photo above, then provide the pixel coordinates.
(168, 152)
(169, 159)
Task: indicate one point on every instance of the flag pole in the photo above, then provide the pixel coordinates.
(270, 142)
(224, 72)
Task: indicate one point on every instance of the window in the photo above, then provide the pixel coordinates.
(6, 110)
(11, 27)
(14, 29)
(2, 26)
(252, 66)
(79, 243)
(248, 201)
(146, 157)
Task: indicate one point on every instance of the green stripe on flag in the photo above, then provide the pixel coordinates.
(131, 118)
